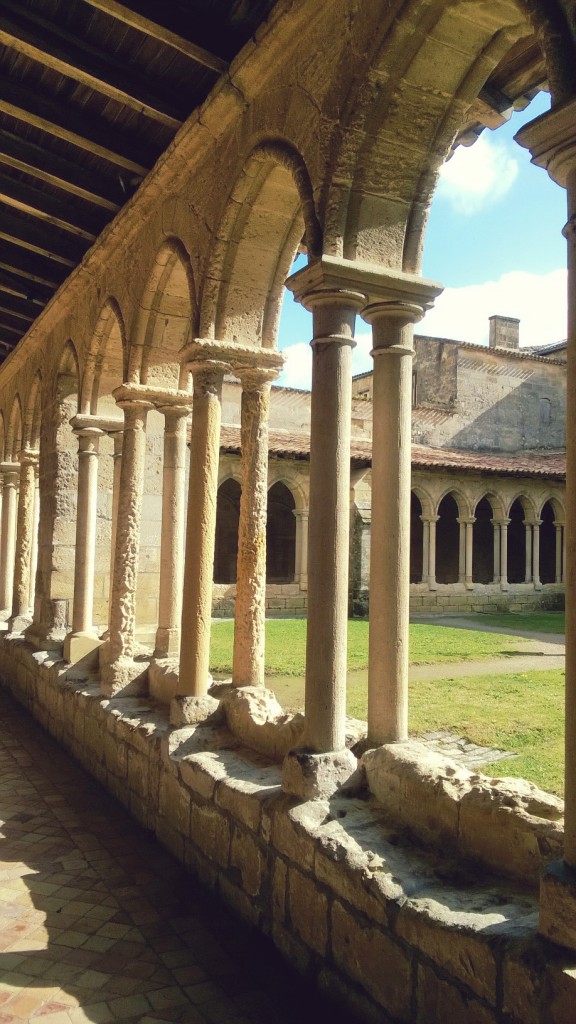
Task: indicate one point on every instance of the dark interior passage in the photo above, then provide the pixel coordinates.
(280, 535)
(416, 539)
(447, 541)
(483, 543)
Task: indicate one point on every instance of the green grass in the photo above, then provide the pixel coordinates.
(537, 622)
(522, 713)
(429, 645)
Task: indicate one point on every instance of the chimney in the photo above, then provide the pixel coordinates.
(504, 332)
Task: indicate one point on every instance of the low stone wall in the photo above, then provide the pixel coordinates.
(400, 933)
(282, 599)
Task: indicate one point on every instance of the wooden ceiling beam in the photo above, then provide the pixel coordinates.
(128, 16)
(7, 328)
(53, 47)
(39, 163)
(63, 122)
(11, 323)
(35, 273)
(14, 288)
(17, 307)
(49, 209)
(26, 233)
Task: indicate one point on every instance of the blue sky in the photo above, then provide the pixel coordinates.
(494, 241)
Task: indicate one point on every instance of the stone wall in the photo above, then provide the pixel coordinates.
(392, 930)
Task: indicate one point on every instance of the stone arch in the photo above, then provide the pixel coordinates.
(106, 362)
(280, 534)
(400, 122)
(15, 434)
(166, 318)
(520, 511)
(2, 437)
(551, 540)
(449, 511)
(293, 481)
(269, 212)
(417, 568)
(485, 511)
(33, 414)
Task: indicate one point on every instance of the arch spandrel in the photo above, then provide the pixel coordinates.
(459, 497)
(106, 360)
(557, 507)
(33, 413)
(526, 502)
(15, 434)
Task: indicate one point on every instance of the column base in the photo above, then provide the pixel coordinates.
(167, 644)
(82, 647)
(311, 776)
(123, 677)
(188, 710)
(558, 904)
(19, 623)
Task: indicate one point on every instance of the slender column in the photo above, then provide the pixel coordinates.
(468, 574)
(83, 640)
(496, 530)
(201, 527)
(425, 548)
(173, 530)
(127, 541)
(559, 574)
(528, 538)
(536, 555)
(390, 551)
(10, 472)
(250, 611)
(504, 554)
(461, 551)
(24, 541)
(302, 541)
(432, 585)
(118, 440)
(35, 525)
(334, 312)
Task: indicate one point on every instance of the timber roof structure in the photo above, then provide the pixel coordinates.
(91, 94)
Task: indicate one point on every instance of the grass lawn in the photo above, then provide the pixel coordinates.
(522, 713)
(536, 622)
(429, 645)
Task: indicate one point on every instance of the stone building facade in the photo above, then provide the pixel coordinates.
(415, 891)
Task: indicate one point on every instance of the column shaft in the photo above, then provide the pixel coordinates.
(201, 528)
(528, 532)
(24, 537)
(118, 439)
(570, 536)
(461, 551)
(558, 575)
(34, 556)
(173, 531)
(469, 554)
(432, 554)
(84, 566)
(390, 550)
(8, 542)
(504, 554)
(127, 541)
(536, 556)
(425, 549)
(496, 529)
(250, 612)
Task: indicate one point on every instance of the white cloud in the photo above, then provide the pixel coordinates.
(537, 300)
(477, 176)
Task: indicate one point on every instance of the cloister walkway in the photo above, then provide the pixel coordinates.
(98, 923)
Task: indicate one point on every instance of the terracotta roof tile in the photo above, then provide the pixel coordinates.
(529, 463)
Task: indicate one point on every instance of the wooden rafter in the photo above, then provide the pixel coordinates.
(14, 307)
(59, 120)
(45, 241)
(47, 208)
(15, 289)
(128, 16)
(25, 267)
(39, 163)
(57, 49)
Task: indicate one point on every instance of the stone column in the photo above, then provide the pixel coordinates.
(82, 642)
(536, 555)
(461, 551)
(10, 473)
(173, 530)
(250, 611)
(425, 549)
(201, 528)
(21, 617)
(431, 568)
(551, 139)
(528, 538)
(118, 440)
(120, 674)
(496, 529)
(392, 324)
(559, 574)
(35, 525)
(504, 553)
(469, 569)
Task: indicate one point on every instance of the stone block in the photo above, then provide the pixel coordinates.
(248, 858)
(293, 831)
(438, 1000)
(210, 831)
(558, 904)
(311, 776)
(308, 910)
(174, 802)
(243, 797)
(279, 890)
(254, 715)
(370, 957)
(240, 902)
(137, 772)
(292, 949)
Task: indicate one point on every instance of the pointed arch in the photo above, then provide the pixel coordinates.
(106, 362)
(33, 414)
(15, 436)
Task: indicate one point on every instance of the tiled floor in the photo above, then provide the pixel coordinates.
(98, 923)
